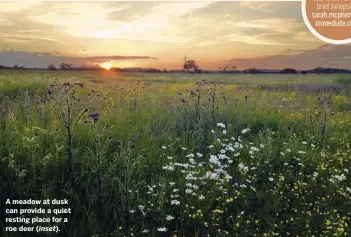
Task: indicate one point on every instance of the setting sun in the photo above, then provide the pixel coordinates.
(106, 66)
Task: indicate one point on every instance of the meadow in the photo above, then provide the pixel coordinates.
(180, 154)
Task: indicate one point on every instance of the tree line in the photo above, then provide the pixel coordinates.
(192, 66)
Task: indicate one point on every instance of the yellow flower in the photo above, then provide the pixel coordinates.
(229, 200)
(218, 211)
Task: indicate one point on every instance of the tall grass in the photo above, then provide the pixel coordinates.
(150, 158)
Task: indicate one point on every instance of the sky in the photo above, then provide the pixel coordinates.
(159, 35)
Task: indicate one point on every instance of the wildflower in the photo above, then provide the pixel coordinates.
(169, 218)
(212, 131)
(175, 202)
(164, 147)
(315, 174)
(301, 152)
(220, 125)
(190, 177)
(341, 177)
(168, 167)
(94, 117)
(192, 161)
(190, 156)
(214, 160)
(218, 211)
(199, 155)
(163, 229)
(270, 179)
(229, 200)
(282, 153)
(132, 211)
(245, 130)
(254, 148)
(242, 167)
(304, 142)
(169, 157)
(188, 191)
(145, 231)
(201, 197)
(224, 131)
(184, 148)
(172, 183)
(211, 146)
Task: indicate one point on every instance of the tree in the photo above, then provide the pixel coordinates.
(252, 70)
(51, 67)
(66, 66)
(288, 71)
(191, 65)
(227, 68)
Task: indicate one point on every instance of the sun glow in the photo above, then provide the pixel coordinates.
(106, 66)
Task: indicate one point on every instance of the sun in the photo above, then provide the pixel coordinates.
(106, 66)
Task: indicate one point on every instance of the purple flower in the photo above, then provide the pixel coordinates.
(94, 117)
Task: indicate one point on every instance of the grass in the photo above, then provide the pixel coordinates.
(179, 154)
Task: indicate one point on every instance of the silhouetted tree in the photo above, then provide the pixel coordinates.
(288, 71)
(252, 70)
(51, 67)
(191, 65)
(227, 68)
(66, 66)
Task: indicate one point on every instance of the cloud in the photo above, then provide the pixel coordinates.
(305, 36)
(6, 22)
(168, 30)
(292, 51)
(261, 39)
(322, 56)
(258, 6)
(101, 59)
(272, 24)
(270, 31)
(160, 23)
(11, 7)
(43, 59)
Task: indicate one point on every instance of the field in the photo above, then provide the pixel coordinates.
(180, 154)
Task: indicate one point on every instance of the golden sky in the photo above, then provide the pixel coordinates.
(159, 34)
